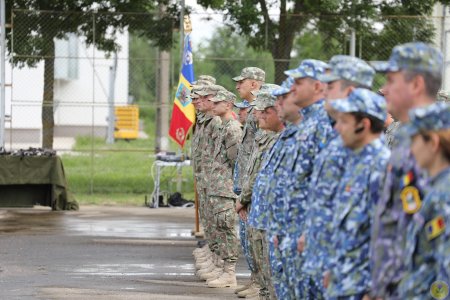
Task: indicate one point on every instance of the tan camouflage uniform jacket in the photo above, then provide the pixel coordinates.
(264, 140)
(195, 144)
(245, 148)
(206, 141)
(225, 154)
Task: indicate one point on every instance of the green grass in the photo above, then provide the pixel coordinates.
(120, 173)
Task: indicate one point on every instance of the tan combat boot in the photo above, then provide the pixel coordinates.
(251, 292)
(208, 268)
(247, 285)
(214, 271)
(228, 277)
(200, 250)
(202, 259)
(204, 264)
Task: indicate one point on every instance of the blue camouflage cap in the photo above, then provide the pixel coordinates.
(242, 105)
(433, 117)
(349, 68)
(412, 57)
(308, 68)
(285, 87)
(364, 101)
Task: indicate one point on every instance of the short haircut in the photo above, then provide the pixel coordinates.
(376, 125)
(432, 81)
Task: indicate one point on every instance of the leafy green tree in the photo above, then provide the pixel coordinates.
(225, 54)
(329, 20)
(37, 23)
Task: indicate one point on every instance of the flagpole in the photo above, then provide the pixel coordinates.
(196, 230)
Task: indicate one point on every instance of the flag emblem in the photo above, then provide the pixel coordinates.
(183, 113)
(435, 227)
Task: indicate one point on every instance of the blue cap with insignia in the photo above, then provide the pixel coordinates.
(242, 105)
(412, 57)
(349, 68)
(364, 101)
(285, 87)
(308, 68)
(433, 117)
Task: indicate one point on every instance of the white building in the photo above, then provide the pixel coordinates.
(441, 20)
(81, 90)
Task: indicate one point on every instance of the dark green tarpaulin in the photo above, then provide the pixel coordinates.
(23, 180)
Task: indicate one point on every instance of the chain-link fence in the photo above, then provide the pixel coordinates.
(68, 68)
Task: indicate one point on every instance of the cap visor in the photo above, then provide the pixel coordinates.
(384, 66)
(279, 92)
(343, 105)
(238, 78)
(328, 77)
(411, 130)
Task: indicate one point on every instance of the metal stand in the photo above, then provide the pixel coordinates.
(157, 169)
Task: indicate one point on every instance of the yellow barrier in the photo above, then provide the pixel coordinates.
(127, 122)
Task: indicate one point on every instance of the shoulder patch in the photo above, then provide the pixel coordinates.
(410, 199)
(435, 227)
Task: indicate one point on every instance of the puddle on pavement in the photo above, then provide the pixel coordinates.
(137, 270)
(125, 228)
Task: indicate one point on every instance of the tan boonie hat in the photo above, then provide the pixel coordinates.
(224, 96)
(210, 89)
(251, 73)
(264, 100)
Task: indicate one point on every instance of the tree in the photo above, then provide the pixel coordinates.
(224, 55)
(328, 19)
(40, 22)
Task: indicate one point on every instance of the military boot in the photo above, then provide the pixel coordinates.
(247, 285)
(210, 267)
(228, 277)
(202, 259)
(200, 250)
(213, 271)
(252, 291)
(204, 264)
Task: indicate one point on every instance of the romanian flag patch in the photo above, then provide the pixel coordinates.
(435, 227)
(408, 178)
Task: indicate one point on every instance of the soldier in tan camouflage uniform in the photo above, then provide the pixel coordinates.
(220, 190)
(210, 261)
(251, 79)
(195, 150)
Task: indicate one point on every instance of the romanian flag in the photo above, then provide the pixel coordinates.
(435, 227)
(183, 114)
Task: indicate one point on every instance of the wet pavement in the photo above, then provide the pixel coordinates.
(101, 253)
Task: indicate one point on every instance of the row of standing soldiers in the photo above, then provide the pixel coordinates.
(340, 192)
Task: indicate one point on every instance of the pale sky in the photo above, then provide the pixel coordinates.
(204, 22)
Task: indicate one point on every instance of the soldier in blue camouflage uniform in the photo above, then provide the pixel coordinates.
(413, 80)
(251, 79)
(286, 193)
(360, 124)
(427, 257)
(220, 188)
(347, 73)
(262, 188)
(269, 125)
